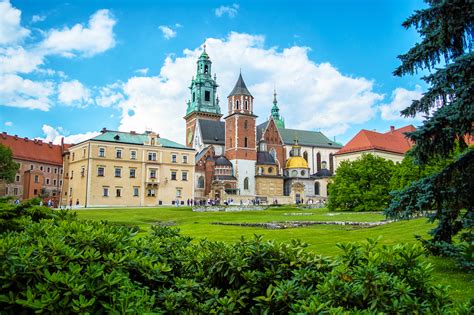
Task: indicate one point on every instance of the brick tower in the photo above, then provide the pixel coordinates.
(241, 137)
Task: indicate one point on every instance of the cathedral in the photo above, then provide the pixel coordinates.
(239, 159)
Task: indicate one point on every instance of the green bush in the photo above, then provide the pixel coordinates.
(64, 265)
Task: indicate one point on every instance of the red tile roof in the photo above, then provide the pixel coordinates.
(33, 150)
(391, 141)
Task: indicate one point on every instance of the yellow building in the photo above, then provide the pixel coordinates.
(127, 169)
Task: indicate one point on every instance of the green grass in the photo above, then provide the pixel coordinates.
(321, 239)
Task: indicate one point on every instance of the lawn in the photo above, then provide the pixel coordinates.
(321, 239)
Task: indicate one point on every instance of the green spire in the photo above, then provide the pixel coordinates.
(279, 121)
(203, 88)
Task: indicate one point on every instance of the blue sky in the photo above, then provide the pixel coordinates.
(70, 68)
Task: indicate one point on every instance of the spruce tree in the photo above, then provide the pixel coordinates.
(445, 51)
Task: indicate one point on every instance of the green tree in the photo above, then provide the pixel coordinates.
(446, 29)
(361, 185)
(8, 167)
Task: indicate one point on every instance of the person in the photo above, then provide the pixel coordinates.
(50, 203)
(41, 202)
(17, 201)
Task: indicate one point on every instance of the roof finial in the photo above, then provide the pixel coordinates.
(204, 46)
(274, 96)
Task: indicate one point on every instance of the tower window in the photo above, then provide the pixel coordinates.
(207, 96)
(245, 142)
(246, 105)
(206, 69)
(194, 96)
(246, 183)
(316, 188)
(236, 104)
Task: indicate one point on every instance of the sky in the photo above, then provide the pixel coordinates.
(68, 69)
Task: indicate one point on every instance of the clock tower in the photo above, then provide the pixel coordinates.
(204, 103)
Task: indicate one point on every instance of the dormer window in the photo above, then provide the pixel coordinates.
(117, 137)
(152, 141)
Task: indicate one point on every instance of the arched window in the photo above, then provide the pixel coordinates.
(316, 188)
(201, 182)
(246, 183)
(246, 105)
(318, 161)
(245, 142)
(236, 104)
(305, 156)
(206, 69)
(270, 170)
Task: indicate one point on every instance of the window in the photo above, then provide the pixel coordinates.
(55, 170)
(105, 191)
(151, 156)
(47, 181)
(118, 172)
(207, 96)
(60, 182)
(331, 163)
(17, 178)
(318, 161)
(152, 141)
(173, 175)
(316, 188)
(294, 173)
(246, 183)
(41, 167)
(194, 96)
(237, 104)
(132, 173)
(184, 176)
(36, 179)
(245, 142)
(200, 182)
(35, 192)
(246, 105)
(245, 124)
(135, 191)
(270, 170)
(101, 152)
(6, 191)
(100, 171)
(206, 69)
(118, 192)
(31, 167)
(303, 173)
(73, 156)
(152, 173)
(61, 171)
(118, 153)
(305, 156)
(15, 191)
(150, 193)
(178, 192)
(84, 153)
(173, 158)
(185, 159)
(83, 170)
(55, 182)
(133, 155)
(48, 169)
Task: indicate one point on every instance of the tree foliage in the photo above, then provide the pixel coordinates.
(58, 264)
(446, 29)
(361, 185)
(8, 167)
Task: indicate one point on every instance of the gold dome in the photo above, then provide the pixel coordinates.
(296, 162)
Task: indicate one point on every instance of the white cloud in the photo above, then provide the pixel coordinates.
(18, 92)
(401, 99)
(8, 123)
(19, 60)
(74, 93)
(110, 95)
(311, 96)
(231, 10)
(38, 18)
(11, 31)
(96, 38)
(167, 31)
(55, 134)
(143, 71)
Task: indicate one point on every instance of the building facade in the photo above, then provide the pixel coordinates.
(41, 170)
(127, 169)
(236, 157)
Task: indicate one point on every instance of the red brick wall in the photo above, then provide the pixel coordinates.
(236, 132)
(273, 139)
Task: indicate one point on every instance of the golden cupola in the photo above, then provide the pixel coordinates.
(295, 160)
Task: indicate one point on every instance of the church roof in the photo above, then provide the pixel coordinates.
(222, 161)
(240, 88)
(212, 132)
(265, 158)
(391, 141)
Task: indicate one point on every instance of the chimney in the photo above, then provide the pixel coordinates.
(26, 139)
(4, 135)
(104, 130)
(16, 137)
(133, 132)
(392, 129)
(40, 142)
(50, 144)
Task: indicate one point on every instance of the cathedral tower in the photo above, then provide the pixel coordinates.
(279, 121)
(204, 103)
(241, 136)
